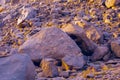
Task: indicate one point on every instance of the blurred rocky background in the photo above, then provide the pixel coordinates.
(59, 39)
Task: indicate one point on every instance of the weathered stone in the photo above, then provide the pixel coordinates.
(64, 74)
(99, 53)
(111, 3)
(115, 47)
(49, 43)
(75, 61)
(78, 34)
(80, 22)
(17, 67)
(49, 68)
(107, 57)
(94, 34)
(27, 13)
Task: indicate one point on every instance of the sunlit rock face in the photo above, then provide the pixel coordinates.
(111, 3)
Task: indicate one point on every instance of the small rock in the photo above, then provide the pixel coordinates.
(93, 33)
(75, 61)
(107, 57)
(90, 76)
(80, 22)
(111, 3)
(49, 69)
(64, 74)
(106, 36)
(115, 47)
(99, 53)
(27, 13)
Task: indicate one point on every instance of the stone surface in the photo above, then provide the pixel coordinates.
(64, 74)
(49, 42)
(94, 34)
(115, 47)
(78, 34)
(27, 13)
(75, 61)
(99, 53)
(111, 3)
(49, 68)
(17, 67)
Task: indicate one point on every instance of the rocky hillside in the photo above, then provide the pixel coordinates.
(59, 39)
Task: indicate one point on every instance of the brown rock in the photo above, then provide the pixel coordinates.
(49, 69)
(94, 34)
(115, 47)
(78, 34)
(99, 53)
(51, 43)
(111, 3)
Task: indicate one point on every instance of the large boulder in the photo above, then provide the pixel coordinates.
(17, 67)
(115, 47)
(49, 43)
(78, 34)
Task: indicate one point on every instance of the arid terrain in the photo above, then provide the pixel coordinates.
(59, 39)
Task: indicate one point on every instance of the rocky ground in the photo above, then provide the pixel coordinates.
(59, 39)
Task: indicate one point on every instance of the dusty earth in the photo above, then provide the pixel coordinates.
(91, 27)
